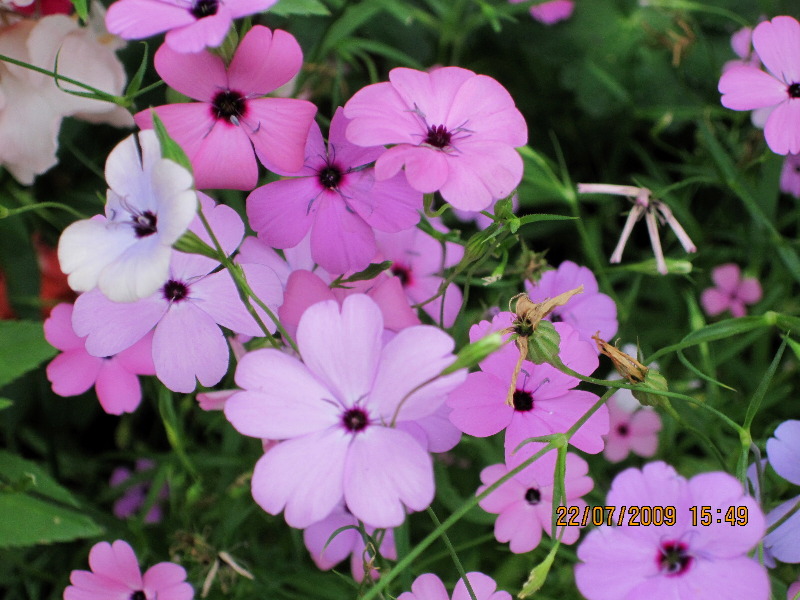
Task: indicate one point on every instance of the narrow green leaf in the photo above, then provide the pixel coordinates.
(714, 332)
(761, 391)
(527, 219)
(370, 272)
(136, 81)
(81, 9)
(285, 8)
(22, 349)
(170, 148)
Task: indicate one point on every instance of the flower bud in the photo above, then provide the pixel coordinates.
(654, 381)
(543, 344)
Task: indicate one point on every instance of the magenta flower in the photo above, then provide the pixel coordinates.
(588, 312)
(337, 412)
(115, 575)
(551, 12)
(114, 376)
(191, 25)
(186, 313)
(430, 587)
(454, 131)
(524, 503)
(630, 430)
(783, 450)
(746, 87)
(232, 118)
(685, 561)
(790, 175)
(327, 552)
(732, 291)
(135, 495)
(336, 197)
(544, 401)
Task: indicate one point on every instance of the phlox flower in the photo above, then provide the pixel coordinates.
(135, 495)
(150, 204)
(630, 430)
(336, 198)
(186, 312)
(75, 370)
(794, 591)
(746, 87)
(115, 575)
(551, 12)
(336, 412)
(731, 291)
(544, 401)
(430, 587)
(783, 451)
(191, 25)
(674, 562)
(790, 175)
(524, 503)
(588, 312)
(327, 552)
(232, 118)
(454, 131)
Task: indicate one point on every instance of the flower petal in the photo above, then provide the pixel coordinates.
(777, 43)
(199, 75)
(264, 61)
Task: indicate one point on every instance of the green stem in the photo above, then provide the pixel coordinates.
(10, 212)
(452, 551)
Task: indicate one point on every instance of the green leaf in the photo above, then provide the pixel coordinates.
(714, 332)
(5, 403)
(14, 469)
(82, 9)
(170, 148)
(22, 349)
(136, 81)
(370, 272)
(284, 8)
(539, 573)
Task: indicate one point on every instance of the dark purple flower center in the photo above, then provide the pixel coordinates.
(673, 558)
(204, 8)
(138, 595)
(175, 291)
(438, 136)
(794, 90)
(523, 401)
(622, 429)
(228, 105)
(555, 318)
(355, 420)
(330, 177)
(403, 272)
(144, 224)
(532, 496)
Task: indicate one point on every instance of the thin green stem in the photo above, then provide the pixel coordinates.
(452, 551)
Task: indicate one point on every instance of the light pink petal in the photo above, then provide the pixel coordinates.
(737, 308)
(58, 329)
(225, 159)
(137, 272)
(736, 578)
(426, 169)
(342, 349)
(519, 526)
(432, 93)
(749, 290)
(264, 61)
(344, 151)
(777, 43)
(436, 431)
(327, 552)
(88, 586)
(714, 302)
(487, 110)
(303, 289)
(303, 475)
(782, 130)
(727, 277)
(479, 406)
(278, 128)
(167, 580)
(118, 390)
(553, 11)
(483, 586)
(385, 470)
(208, 31)
(188, 344)
(137, 19)
(73, 372)
(389, 205)
(116, 561)
(340, 239)
(241, 8)
(746, 88)
(426, 587)
(389, 296)
(378, 115)
(783, 451)
(281, 212)
(783, 541)
(199, 75)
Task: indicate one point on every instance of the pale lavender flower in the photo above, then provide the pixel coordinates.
(430, 587)
(784, 455)
(790, 175)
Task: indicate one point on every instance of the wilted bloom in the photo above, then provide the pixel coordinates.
(653, 211)
(336, 412)
(150, 204)
(453, 130)
(219, 133)
(191, 25)
(746, 87)
(679, 559)
(115, 575)
(732, 291)
(784, 455)
(336, 198)
(551, 12)
(430, 587)
(790, 175)
(524, 503)
(630, 429)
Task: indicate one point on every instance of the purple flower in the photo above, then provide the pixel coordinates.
(551, 12)
(784, 456)
(524, 503)
(629, 430)
(430, 587)
(135, 495)
(790, 175)
(114, 376)
(588, 312)
(682, 561)
(337, 412)
(454, 131)
(115, 575)
(732, 291)
(150, 204)
(746, 87)
(191, 25)
(335, 197)
(232, 118)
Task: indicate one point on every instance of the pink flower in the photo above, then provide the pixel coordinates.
(732, 291)
(745, 87)
(232, 118)
(790, 175)
(135, 495)
(794, 591)
(336, 197)
(544, 401)
(551, 12)
(454, 131)
(587, 312)
(191, 25)
(706, 560)
(629, 430)
(783, 450)
(337, 412)
(115, 575)
(327, 552)
(430, 587)
(524, 503)
(115, 376)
